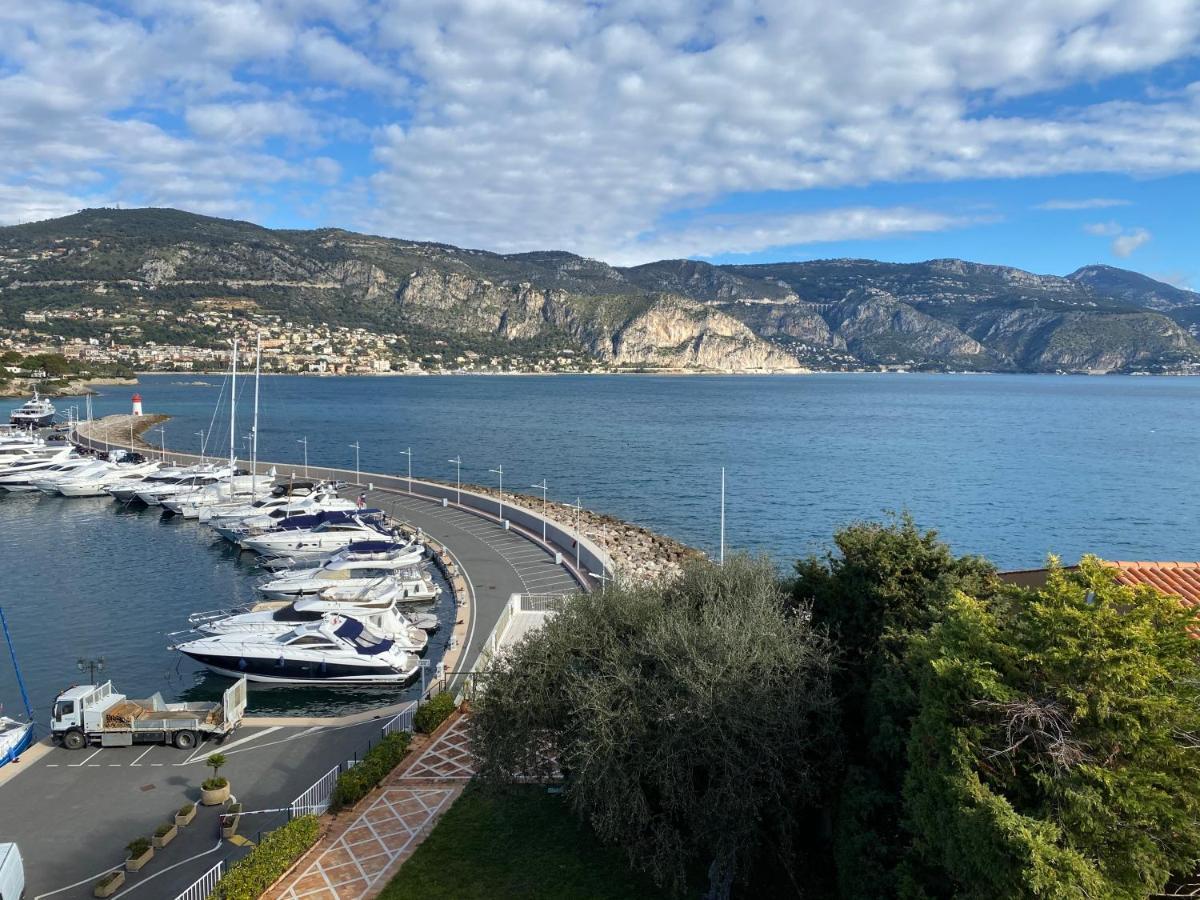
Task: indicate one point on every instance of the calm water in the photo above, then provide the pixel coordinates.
(1010, 466)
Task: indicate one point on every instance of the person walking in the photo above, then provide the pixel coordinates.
(362, 500)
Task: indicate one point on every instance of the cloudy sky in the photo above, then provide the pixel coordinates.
(1041, 134)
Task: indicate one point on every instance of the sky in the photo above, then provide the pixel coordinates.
(1044, 135)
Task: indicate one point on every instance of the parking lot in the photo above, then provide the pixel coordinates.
(73, 812)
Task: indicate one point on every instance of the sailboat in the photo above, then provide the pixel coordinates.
(15, 736)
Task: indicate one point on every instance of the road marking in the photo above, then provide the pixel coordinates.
(156, 765)
(226, 746)
(149, 878)
(95, 877)
(84, 762)
(51, 765)
(137, 762)
(114, 765)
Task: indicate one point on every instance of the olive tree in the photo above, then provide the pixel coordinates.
(690, 719)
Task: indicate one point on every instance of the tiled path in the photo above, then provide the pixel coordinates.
(357, 862)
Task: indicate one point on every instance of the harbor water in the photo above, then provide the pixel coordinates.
(1013, 467)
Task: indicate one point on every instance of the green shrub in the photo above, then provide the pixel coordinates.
(137, 847)
(254, 873)
(186, 809)
(163, 828)
(354, 784)
(212, 784)
(434, 712)
(108, 879)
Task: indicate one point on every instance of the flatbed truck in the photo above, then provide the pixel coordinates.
(97, 714)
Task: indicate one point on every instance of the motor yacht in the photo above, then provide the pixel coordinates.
(15, 476)
(335, 650)
(277, 616)
(36, 413)
(242, 487)
(384, 549)
(283, 497)
(330, 535)
(234, 529)
(154, 495)
(125, 490)
(354, 575)
(96, 483)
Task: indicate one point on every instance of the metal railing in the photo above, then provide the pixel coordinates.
(402, 721)
(316, 799)
(204, 885)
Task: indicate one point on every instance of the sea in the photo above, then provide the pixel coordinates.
(1012, 467)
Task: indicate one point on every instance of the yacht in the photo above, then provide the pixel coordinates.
(15, 738)
(276, 617)
(36, 413)
(353, 575)
(242, 487)
(96, 483)
(384, 549)
(325, 537)
(154, 495)
(335, 650)
(236, 528)
(16, 475)
(282, 496)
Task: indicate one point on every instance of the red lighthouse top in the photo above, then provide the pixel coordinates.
(137, 398)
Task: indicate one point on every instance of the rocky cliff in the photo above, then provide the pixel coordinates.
(673, 314)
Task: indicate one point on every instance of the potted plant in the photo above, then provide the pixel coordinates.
(230, 819)
(215, 790)
(164, 834)
(109, 884)
(141, 851)
(186, 813)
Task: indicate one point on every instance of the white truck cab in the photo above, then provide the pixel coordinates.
(12, 873)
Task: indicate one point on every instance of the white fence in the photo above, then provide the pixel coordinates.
(400, 722)
(316, 799)
(205, 884)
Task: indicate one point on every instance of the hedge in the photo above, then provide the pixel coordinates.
(354, 784)
(248, 878)
(433, 713)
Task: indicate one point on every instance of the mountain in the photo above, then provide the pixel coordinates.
(672, 314)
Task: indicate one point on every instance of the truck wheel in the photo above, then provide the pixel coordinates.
(74, 740)
(185, 740)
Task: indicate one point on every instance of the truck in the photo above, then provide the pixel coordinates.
(97, 714)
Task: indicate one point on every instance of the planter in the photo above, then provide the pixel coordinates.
(161, 840)
(134, 865)
(180, 821)
(230, 820)
(215, 796)
(111, 886)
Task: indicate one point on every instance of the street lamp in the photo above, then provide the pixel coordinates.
(500, 472)
(201, 434)
(722, 515)
(408, 453)
(91, 666)
(603, 535)
(304, 441)
(423, 664)
(543, 487)
(578, 507)
(357, 476)
(162, 435)
(457, 478)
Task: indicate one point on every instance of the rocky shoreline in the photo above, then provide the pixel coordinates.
(75, 387)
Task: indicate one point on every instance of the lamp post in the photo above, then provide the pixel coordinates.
(162, 438)
(201, 434)
(500, 472)
(722, 515)
(91, 666)
(408, 453)
(357, 476)
(543, 487)
(578, 507)
(457, 478)
(603, 576)
(423, 664)
(304, 441)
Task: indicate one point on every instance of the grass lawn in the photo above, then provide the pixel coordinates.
(518, 843)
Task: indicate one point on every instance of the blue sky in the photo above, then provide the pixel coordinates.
(1044, 136)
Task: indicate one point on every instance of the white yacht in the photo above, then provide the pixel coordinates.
(96, 483)
(336, 650)
(282, 497)
(15, 475)
(234, 529)
(242, 487)
(154, 495)
(125, 490)
(276, 617)
(375, 549)
(325, 538)
(36, 413)
(354, 575)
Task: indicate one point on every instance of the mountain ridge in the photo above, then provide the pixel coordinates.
(941, 314)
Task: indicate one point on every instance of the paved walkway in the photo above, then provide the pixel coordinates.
(356, 861)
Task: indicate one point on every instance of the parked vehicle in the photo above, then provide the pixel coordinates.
(98, 714)
(12, 873)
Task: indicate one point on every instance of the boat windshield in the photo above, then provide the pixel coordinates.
(353, 632)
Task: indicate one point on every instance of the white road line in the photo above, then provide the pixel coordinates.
(51, 765)
(251, 737)
(84, 762)
(95, 877)
(150, 878)
(137, 762)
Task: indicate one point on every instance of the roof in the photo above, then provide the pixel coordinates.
(1179, 579)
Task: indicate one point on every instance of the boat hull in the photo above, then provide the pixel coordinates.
(300, 672)
(14, 743)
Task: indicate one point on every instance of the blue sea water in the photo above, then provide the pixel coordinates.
(1013, 467)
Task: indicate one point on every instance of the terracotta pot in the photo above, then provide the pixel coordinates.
(133, 865)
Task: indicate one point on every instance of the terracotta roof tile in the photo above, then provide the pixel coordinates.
(1180, 579)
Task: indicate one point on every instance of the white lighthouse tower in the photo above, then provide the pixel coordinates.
(137, 404)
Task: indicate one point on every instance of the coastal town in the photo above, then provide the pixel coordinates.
(198, 341)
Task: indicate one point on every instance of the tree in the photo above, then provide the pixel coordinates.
(1055, 751)
(690, 719)
(886, 586)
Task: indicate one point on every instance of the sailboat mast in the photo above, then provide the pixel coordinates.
(232, 417)
(16, 668)
(254, 428)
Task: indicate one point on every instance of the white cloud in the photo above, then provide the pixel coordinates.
(1089, 203)
(1125, 244)
(1102, 229)
(516, 124)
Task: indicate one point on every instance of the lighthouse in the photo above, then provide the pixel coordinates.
(137, 404)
